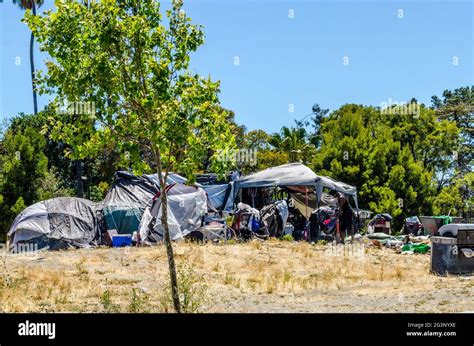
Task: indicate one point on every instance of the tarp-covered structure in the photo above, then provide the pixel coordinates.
(130, 195)
(56, 223)
(219, 194)
(125, 202)
(186, 207)
(294, 176)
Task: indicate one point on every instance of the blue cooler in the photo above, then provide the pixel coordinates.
(120, 240)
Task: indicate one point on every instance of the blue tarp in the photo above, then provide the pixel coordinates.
(216, 195)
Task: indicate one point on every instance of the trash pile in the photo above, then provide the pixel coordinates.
(404, 244)
(380, 223)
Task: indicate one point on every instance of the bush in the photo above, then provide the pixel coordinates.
(138, 302)
(106, 302)
(287, 237)
(192, 292)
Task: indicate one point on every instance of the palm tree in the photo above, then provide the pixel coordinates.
(31, 5)
(293, 141)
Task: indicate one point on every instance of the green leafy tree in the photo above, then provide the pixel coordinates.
(98, 192)
(458, 106)
(456, 198)
(267, 155)
(392, 158)
(294, 142)
(237, 130)
(24, 167)
(257, 139)
(133, 65)
(269, 158)
(431, 142)
(51, 186)
(99, 168)
(316, 121)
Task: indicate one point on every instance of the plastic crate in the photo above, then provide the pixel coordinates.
(120, 240)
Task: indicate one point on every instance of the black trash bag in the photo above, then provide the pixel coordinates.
(270, 221)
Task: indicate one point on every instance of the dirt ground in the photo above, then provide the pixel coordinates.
(271, 276)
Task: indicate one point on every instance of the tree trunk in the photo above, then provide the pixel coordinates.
(166, 235)
(80, 183)
(32, 65)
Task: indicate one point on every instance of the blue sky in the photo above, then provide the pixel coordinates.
(288, 63)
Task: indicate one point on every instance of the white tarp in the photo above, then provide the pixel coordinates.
(285, 175)
(293, 174)
(186, 206)
(283, 211)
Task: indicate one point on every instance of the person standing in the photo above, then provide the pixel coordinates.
(344, 215)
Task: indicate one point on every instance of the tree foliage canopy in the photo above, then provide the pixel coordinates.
(120, 57)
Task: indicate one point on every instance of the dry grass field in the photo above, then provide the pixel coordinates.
(271, 276)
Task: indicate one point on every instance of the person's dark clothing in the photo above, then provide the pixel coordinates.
(344, 214)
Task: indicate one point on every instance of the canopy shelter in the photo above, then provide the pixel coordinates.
(56, 223)
(295, 176)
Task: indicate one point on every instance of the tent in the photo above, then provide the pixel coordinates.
(186, 207)
(130, 195)
(55, 224)
(123, 206)
(293, 176)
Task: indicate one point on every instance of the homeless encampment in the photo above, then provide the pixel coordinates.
(186, 207)
(56, 223)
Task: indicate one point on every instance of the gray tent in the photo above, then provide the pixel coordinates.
(123, 206)
(293, 174)
(54, 224)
